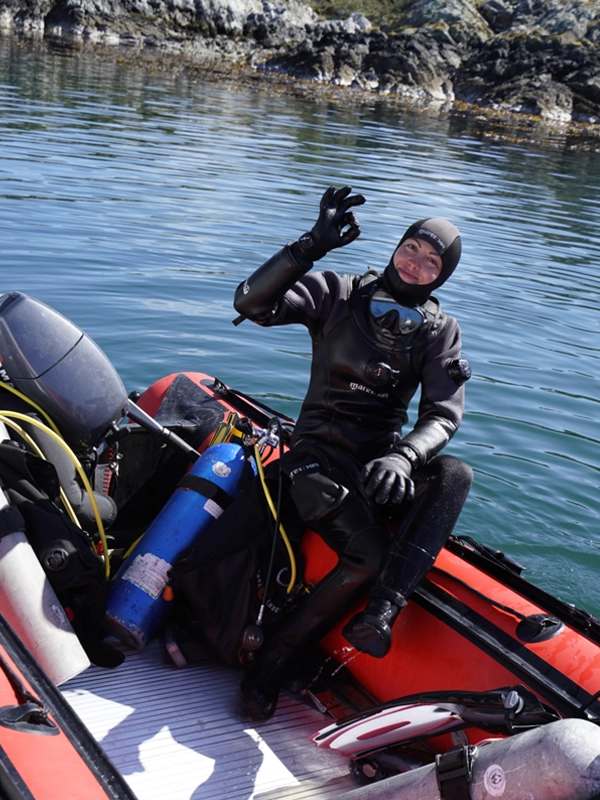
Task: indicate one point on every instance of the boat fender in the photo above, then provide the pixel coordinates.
(141, 594)
(558, 761)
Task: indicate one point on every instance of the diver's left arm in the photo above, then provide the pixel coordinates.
(441, 408)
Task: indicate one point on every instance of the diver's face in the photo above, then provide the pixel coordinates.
(417, 262)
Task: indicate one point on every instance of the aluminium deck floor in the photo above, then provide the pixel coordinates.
(174, 734)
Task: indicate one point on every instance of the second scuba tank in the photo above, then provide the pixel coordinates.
(141, 593)
(29, 604)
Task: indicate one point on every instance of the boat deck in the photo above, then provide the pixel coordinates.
(174, 733)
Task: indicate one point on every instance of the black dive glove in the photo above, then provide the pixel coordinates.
(388, 478)
(335, 227)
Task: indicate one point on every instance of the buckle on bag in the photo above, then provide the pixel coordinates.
(454, 771)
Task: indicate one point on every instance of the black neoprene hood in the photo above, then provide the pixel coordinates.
(445, 238)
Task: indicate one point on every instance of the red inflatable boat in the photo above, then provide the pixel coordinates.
(46, 753)
(478, 653)
(474, 624)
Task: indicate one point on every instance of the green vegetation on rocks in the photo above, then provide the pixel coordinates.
(383, 14)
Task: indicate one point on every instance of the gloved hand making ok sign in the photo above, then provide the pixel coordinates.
(388, 478)
(336, 225)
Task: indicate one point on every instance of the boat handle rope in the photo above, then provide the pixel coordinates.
(525, 619)
(29, 709)
(587, 704)
(223, 390)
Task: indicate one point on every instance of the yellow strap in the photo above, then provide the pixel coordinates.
(274, 512)
(84, 479)
(131, 547)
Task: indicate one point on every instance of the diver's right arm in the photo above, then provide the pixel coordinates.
(258, 296)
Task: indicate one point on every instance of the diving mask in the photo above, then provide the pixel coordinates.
(394, 316)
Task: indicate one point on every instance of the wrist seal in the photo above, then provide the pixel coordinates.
(409, 454)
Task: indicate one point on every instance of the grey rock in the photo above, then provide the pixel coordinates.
(498, 15)
(457, 21)
(539, 57)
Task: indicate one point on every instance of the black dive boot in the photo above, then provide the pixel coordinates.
(370, 631)
(259, 689)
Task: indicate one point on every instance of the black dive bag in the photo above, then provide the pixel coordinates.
(64, 550)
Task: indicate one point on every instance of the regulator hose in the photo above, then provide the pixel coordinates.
(33, 404)
(39, 452)
(275, 513)
(84, 479)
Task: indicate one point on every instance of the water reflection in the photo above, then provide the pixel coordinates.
(135, 201)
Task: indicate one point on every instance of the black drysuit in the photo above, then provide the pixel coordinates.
(363, 377)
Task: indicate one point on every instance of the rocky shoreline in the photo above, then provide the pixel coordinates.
(538, 60)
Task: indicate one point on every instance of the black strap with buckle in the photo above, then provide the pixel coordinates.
(205, 488)
(454, 771)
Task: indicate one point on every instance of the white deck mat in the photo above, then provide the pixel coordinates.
(174, 733)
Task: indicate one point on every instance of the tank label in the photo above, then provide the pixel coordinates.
(221, 469)
(149, 573)
(494, 780)
(213, 509)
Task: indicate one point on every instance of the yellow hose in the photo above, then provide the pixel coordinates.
(84, 479)
(33, 404)
(38, 451)
(131, 547)
(274, 512)
(33, 445)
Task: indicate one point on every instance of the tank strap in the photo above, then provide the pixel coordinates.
(206, 489)
(454, 770)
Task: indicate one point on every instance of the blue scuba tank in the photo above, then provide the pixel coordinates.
(141, 594)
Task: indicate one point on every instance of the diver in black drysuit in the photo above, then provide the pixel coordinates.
(376, 338)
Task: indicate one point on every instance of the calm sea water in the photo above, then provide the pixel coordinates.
(134, 203)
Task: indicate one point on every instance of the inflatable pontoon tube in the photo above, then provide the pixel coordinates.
(558, 761)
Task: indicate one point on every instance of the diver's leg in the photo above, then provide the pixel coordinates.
(361, 541)
(440, 495)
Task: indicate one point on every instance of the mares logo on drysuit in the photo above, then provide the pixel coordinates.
(359, 387)
(439, 244)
